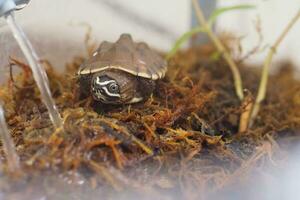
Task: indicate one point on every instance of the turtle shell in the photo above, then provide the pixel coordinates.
(135, 58)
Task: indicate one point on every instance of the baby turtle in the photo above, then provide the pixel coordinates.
(123, 72)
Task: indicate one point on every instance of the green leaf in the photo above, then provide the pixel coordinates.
(183, 39)
(216, 13)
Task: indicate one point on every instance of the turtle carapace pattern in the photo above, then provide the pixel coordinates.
(123, 72)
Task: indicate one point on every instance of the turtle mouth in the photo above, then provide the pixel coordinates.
(97, 93)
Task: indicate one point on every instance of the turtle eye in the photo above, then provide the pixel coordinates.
(113, 87)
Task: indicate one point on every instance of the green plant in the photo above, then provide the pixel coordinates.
(211, 20)
(265, 69)
(206, 27)
(248, 116)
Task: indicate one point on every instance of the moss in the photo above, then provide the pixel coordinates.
(184, 136)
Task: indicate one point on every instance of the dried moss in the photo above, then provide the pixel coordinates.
(183, 139)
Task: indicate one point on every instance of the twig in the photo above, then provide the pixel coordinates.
(220, 47)
(258, 47)
(265, 70)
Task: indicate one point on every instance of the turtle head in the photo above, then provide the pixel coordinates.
(105, 89)
(113, 87)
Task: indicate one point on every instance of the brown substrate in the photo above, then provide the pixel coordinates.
(181, 141)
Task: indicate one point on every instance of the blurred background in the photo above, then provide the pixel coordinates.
(56, 27)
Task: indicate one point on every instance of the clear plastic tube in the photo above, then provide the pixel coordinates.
(38, 71)
(8, 145)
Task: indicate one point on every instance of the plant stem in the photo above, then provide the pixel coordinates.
(265, 70)
(220, 47)
(247, 106)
